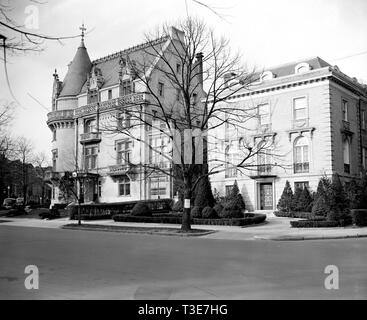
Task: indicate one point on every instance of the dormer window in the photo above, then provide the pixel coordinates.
(302, 68)
(267, 75)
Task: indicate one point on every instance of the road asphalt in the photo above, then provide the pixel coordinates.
(77, 264)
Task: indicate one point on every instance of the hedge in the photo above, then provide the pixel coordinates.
(293, 214)
(359, 217)
(315, 224)
(97, 211)
(255, 219)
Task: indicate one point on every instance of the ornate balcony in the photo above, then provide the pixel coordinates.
(120, 169)
(60, 115)
(262, 171)
(90, 137)
(129, 99)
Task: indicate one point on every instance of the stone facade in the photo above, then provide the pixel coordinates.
(90, 104)
(308, 128)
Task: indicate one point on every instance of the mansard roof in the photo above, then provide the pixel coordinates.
(289, 68)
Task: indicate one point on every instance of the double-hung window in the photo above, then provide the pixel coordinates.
(123, 149)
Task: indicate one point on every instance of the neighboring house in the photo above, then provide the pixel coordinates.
(314, 118)
(94, 98)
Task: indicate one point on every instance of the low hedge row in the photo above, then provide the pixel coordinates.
(359, 217)
(300, 215)
(255, 219)
(314, 224)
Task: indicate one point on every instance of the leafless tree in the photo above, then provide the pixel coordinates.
(41, 163)
(16, 37)
(24, 152)
(184, 112)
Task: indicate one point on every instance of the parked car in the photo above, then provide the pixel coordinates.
(20, 201)
(9, 203)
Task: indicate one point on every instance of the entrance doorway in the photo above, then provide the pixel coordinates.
(266, 196)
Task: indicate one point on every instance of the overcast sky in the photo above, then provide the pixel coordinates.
(267, 32)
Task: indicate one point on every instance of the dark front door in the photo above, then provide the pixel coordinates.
(266, 196)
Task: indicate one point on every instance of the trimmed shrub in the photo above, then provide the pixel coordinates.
(362, 194)
(305, 201)
(218, 209)
(255, 219)
(320, 207)
(359, 217)
(314, 224)
(338, 199)
(196, 212)
(203, 194)
(208, 213)
(231, 210)
(177, 206)
(352, 191)
(141, 210)
(285, 201)
(299, 214)
(295, 199)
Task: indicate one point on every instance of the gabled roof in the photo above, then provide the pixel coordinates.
(77, 73)
(109, 65)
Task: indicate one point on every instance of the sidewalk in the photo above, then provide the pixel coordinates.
(274, 228)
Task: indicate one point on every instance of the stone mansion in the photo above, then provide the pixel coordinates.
(314, 114)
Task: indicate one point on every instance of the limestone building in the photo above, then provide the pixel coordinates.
(315, 116)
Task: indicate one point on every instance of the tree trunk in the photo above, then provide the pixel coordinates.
(186, 218)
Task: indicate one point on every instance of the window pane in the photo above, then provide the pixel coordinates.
(305, 154)
(299, 114)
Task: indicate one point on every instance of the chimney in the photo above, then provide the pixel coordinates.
(199, 66)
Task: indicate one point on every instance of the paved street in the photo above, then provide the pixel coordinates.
(88, 265)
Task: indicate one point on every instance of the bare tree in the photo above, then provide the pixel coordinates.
(16, 37)
(41, 163)
(24, 152)
(184, 113)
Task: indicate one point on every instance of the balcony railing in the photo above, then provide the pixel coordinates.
(301, 167)
(129, 99)
(90, 137)
(264, 169)
(119, 169)
(345, 125)
(60, 115)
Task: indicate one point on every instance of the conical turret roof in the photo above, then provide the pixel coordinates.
(77, 73)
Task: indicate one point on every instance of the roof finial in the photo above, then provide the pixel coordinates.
(82, 28)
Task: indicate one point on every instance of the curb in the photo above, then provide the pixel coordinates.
(295, 238)
(117, 230)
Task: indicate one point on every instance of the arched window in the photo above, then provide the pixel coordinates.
(90, 126)
(346, 155)
(231, 157)
(301, 155)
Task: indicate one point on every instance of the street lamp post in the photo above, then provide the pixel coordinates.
(75, 176)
